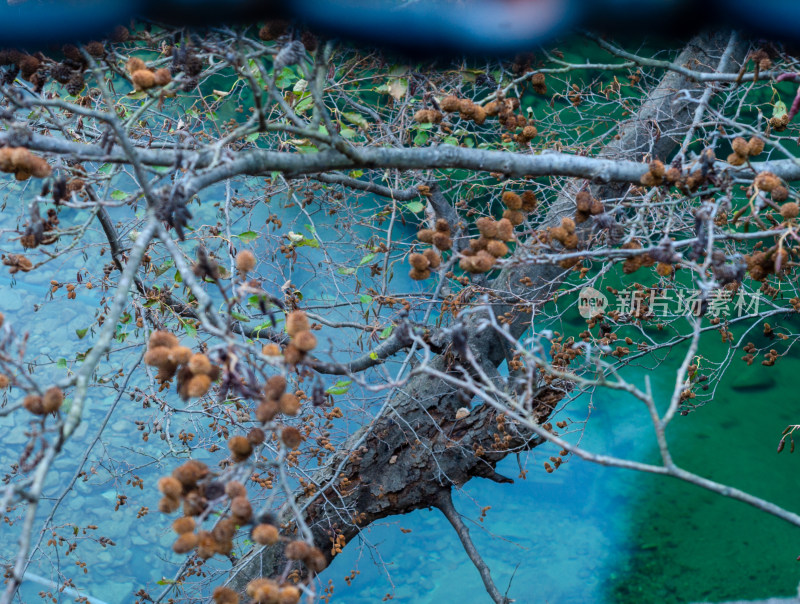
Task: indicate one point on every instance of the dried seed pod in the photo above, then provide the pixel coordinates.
(305, 341)
(184, 524)
(450, 103)
(289, 404)
(52, 399)
(425, 235)
(419, 275)
(179, 355)
(162, 338)
(442, 241)
(265, 534)
(224, 595)
(419, 261)
(234, 489)
(434, 258)
(297, 550)
(766, 181)
(167, 505)
(497, 248)
(512, 201)
(197, 386)
(740, 146)
(199, 364)
(143, 79)
(515, 217)
(297, 321)
(241, 508)
(487, 227)
(135, 64)
(291, 437)
(267, 410)
(170, 486)
(240, 447)
(275, 386)
(245, 261)
(162, 77)
(185, 543)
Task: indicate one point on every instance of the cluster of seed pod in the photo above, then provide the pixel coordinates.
(565, 233)
(770, 183)
(17, 263)
(743, 149)
(421, 264)
(761, 264)
(195, 371)
(143, 78)
(302, 340)
(23, 164)
(491, 245)
(518, 205)
(634, 263)
(50, 402)
(586, 206)
(428, 116)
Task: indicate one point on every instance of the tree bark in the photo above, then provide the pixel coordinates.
(416, 450)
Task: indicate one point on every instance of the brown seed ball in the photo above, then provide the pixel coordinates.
(529, 201)
(224, 595)
(419, 275)
(224, 530)
(419, 261)
(240, 507)
(289, 404)
(476, 245)
(4, 381)
(184, 524)
(505, 230)
(275, 386)
(443, 226)
(755, 146)
(120, 34)
(568, 224)
(583, 201)
(305, 341)
(740, 146)
(492, 108)
(316, 561)
(297, 550)
(780, 193)
(95, 49)
(657, 169)
(2, 318)
(296, 321)
(143, 79)
(190, 472)
(33, 403)
(207, 546)
(558, 234)
(194, 504)
(597, 207)
(571, 241)
(240, 447)
(199, 364)
(766, 181)
(271, 350)
(529, 132)
(664, 269)
(482, 262)
(245, 261)
(425, 235)
(263, 591)
(180, 355)
(197, 386)
(135, 64)
(442, 241)
(289, 595)
(185, 543)
(291, 437)
(267, 410)
(162, 338)
(466, 264)
(487, 227)
(52, 399)
(735, 159)
(256, 436)
(162, 77)
(158, 357)
(512, 201)
(167, 505)
(450, 103)
(265, 534)
(434, 258)
(234, 489)
(496, 248)
(790, 210)
(170, 486)
(515, 217)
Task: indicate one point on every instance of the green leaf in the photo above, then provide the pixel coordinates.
(190, 330)
(160, 270)
(340, 387)
(248, 236)
(356, 173)
(80, 333)
(345, 270)
(373, 355)
(451, 140)
(305, 241)
(398, 87)
(368, 258)
(356, 118)
(365, 299)
(414, 206)
(251, 138)
(779, 109)
(387, 332)
(347, 133)
(118, 195)
(420, 139)
(240, 317)
(61, 363)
